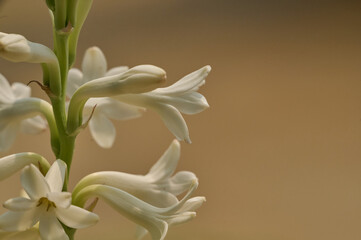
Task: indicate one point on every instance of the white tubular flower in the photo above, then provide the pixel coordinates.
(158, 187)
(23, 114)
(101, 128)
(170, 102)
(15, 162)
(47, 204)
(153, 219)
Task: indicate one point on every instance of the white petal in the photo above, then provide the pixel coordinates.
(50, 228)
(56, 176)
(19, 204)
(181, 218)
(34, 182)
(6, 93)
(102, 130)
(20, 90)
(18, 221)
(189, 103)
(33, 125)
(94, 64)
(167, 163)
(192, 204)
(75, 80)
(116, 70)
(191, 82)
(181, 182)
(76, 217)
(8, 135)
(61, 199)
(173, 120)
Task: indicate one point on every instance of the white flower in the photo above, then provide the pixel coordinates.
(157, 188)
(94, 66)
(8, 129)
(170, 102)
(155, 220)
(47, 204)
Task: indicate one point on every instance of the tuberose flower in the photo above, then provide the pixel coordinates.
(47, 204)
(154, 219)
(101, 128)
(8, 129)
(158, 188)
(170, 102)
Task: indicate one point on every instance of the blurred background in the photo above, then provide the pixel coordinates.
(277, 154)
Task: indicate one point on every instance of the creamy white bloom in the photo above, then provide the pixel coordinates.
(8, 129)
(158, 188)
(46, 204)
(170, 102)
(94, 66)
(155, 220)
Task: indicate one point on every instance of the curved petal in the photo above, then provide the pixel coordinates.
(8, 135)
(102, 130)
(33, 125)
(56, 176)
(20, 90)
(6, 93)
(166, 164)
(192, 204)
(180, 182)
(18, 221)
(117, 70)
(94, 64)
(189, 103)
(34, 183)
(191, 82)
(61, 199)
(173, 120)
(50, 228)
(76, 217)
(19, 204)
(75, 80)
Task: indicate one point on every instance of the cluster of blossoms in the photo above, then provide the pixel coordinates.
(90, 97)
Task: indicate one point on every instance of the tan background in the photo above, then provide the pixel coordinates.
(278, 153)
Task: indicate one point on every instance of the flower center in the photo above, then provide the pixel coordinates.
(46, 202)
